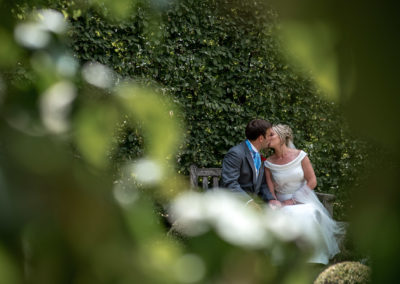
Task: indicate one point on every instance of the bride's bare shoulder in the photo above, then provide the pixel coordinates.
(296, 151)
(293, 153)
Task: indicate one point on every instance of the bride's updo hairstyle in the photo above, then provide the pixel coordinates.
(285, 134)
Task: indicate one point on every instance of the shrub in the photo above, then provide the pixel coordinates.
(345, 272)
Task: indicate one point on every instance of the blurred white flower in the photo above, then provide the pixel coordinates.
(283, 226)
(98, 75)
(124, 194)
(66, 65)
(52, 20)
(146, 171)
(233, 221)
(189, 213)
(35, 34)
(194, 213)
(31, 35)
(55, 106)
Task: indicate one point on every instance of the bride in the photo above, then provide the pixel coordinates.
(291, 180)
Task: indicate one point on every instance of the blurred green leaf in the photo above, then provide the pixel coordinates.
(93, 131)
(9, 52)
(155, 114)
(8, 269)
(312, 46)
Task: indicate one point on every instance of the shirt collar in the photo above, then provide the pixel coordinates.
(252, 146)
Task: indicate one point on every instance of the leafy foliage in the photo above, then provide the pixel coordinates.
(57, 211)
(222, 65)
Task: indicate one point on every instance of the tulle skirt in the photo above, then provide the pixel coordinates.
(322, 232)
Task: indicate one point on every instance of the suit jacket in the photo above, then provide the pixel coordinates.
(239, 174)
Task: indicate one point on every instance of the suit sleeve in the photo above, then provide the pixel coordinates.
(265, 194)
(231, 173)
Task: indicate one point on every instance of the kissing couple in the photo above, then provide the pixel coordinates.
(285, 181)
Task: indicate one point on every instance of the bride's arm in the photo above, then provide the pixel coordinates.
(270, 183)
(309, 174)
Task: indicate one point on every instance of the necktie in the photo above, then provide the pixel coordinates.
(257, 160)
(255, 155)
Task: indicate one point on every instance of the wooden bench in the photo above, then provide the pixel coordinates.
(210, 178)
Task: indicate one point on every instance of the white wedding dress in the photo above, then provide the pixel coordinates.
(313, 217)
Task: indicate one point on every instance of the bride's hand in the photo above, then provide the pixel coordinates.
(274, 204)
(288, 202)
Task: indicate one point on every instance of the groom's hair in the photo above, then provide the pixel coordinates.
(255, 128)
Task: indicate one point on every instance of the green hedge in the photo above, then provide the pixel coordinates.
(222, 65)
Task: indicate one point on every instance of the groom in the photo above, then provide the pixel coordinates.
(242, 169)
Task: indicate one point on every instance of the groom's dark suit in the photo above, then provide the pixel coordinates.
(239, 174)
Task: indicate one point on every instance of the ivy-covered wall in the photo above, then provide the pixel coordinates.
(221, 64)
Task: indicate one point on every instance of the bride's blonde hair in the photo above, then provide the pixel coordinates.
(285, 133)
